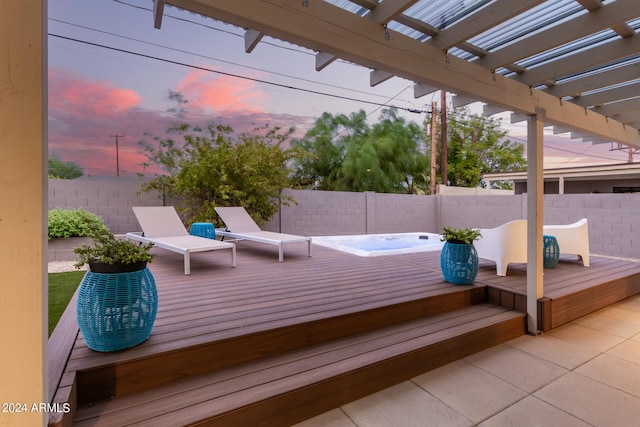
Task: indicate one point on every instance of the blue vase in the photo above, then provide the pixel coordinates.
(459, 263)
(116, 310)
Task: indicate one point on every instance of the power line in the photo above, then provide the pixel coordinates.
(214, 58)
(177, 18)
(196, 67)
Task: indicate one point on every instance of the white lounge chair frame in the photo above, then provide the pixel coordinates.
(507, 243)
(239, 225)
(162, 227)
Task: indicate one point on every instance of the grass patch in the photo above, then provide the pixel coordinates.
(61, 289)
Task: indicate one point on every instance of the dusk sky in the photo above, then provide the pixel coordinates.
(97, 90)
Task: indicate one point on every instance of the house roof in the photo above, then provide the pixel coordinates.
(612, 171)
(575, 63)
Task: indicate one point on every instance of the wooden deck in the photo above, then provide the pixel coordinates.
(274, 343)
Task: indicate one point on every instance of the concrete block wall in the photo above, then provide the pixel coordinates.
(404, 213)
(478, 211)
(321, 213)
(614, 219)
(109, 197)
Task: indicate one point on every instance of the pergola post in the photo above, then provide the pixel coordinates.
(535, 210)
(23, 190)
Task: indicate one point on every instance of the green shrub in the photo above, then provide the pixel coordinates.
(73, 223)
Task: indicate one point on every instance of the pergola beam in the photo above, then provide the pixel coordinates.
(158, 12)
(490, 110)
(323, 59)
(365, 42)
(461, 101)
(590, 4)
(251, 39)
(610, 95)
(421, 89)
(598, 80)
(626, 116)
(389, 10)
(381, 13)
(378, 76)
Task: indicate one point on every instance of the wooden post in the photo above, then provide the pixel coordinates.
(443, 137)
(535, 209)
(23, 189)
(434, 148)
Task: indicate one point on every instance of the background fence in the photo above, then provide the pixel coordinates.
(614, 219)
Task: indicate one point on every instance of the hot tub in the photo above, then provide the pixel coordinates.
(382, 244)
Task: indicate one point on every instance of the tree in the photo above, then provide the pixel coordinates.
(213, 167)
(478, 145)
(325, 145)
(63, 170)
(346, 154)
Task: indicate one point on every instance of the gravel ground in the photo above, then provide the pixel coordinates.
(63, 266)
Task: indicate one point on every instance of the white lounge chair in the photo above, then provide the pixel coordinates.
(573, 239)
(162, 226)
(239, 225)
(504, 244)
(507, 243)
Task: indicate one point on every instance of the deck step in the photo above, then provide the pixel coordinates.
(287, 388)
(258, 337)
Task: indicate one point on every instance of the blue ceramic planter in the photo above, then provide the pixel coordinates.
(459, 263)
(116, 310)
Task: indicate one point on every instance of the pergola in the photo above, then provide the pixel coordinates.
(570, 64)
(576, 62)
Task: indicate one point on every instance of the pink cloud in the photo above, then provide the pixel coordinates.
(220, 94)
(74, 94)
(84, 114)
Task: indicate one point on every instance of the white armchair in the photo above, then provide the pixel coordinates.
(504, 244)
(507, 243)
(572, 239)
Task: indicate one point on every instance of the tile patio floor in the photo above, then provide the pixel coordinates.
(586, 372)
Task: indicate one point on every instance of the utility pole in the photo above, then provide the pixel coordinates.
(116, 136)
(443, 136)
(434, 148)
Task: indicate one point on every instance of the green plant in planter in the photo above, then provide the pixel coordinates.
(460, 235)
(117, 298)
(107, 249)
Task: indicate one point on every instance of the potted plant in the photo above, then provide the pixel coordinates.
(459, 259)
(117, 300)
(109, 254)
